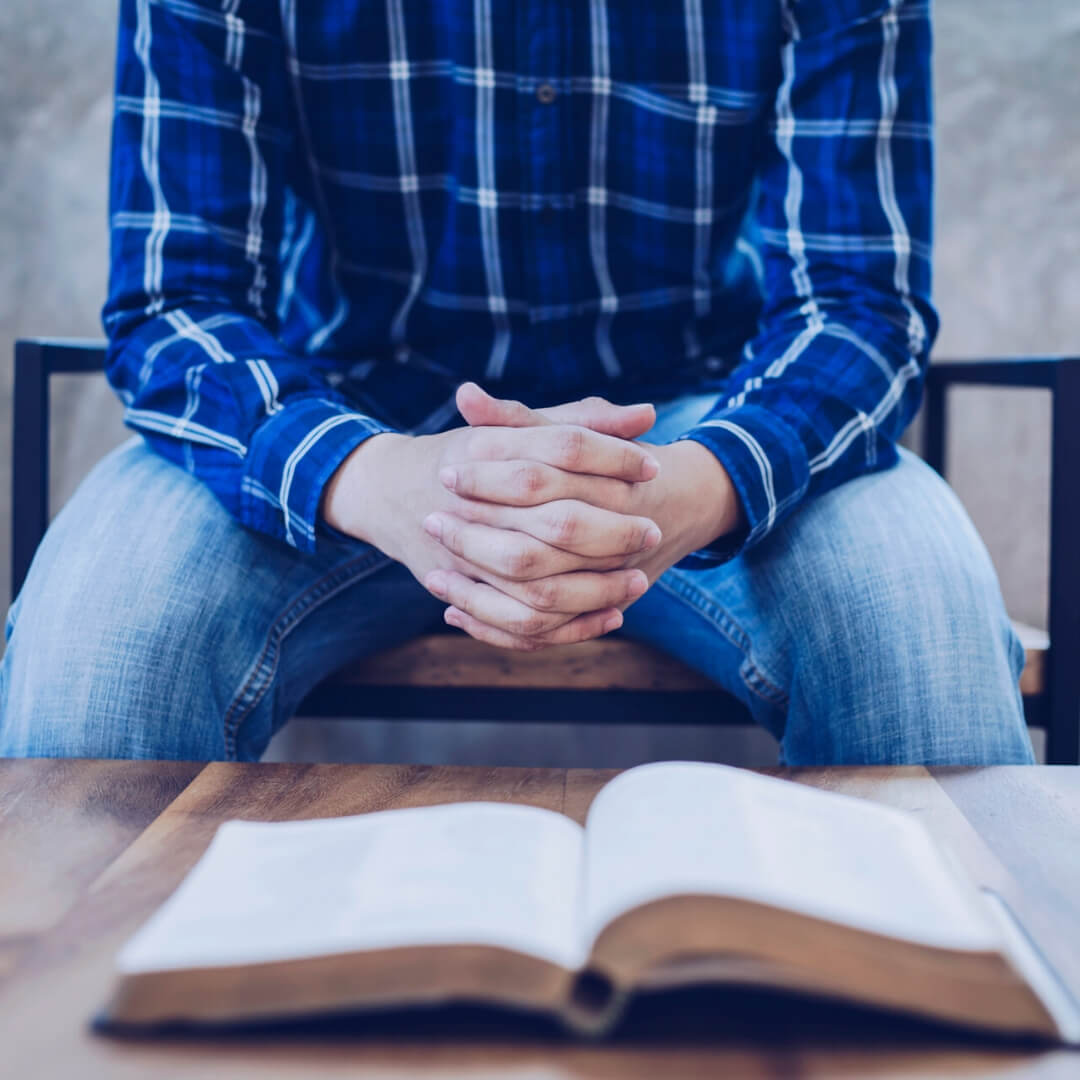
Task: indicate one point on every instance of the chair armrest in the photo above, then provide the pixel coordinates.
(66, 356)
(1047, 372)
(998, 371)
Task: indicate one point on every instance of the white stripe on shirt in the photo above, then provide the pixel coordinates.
(800, 274)
(151, 134)
(165, 422)
(407, 180)
(321, 336)
(763, 464)
(267, 383)
(847, 434)
(186, 327)
(597, 196)
(488, 194)
(257, 190)
(890, 32)
(292, 265)
(887, 89)
(305, 444)
(703, 161)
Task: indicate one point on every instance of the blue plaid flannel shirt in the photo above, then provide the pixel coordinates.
(325, 216)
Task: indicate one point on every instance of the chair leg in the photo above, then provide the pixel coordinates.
(29, 458)
(934, 421)
(1063, 682)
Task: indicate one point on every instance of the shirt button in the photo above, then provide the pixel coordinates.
(545, 93)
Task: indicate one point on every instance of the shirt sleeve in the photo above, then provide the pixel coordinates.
(201, 133)
(835, 372)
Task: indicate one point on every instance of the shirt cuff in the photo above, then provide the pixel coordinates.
(290, 459)
(769, 467)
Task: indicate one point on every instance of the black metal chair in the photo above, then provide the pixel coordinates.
(450, 676)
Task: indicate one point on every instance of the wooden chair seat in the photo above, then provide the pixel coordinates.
(455, 660)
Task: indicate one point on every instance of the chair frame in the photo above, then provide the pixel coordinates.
(1058, 710)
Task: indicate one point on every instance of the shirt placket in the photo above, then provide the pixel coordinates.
(546, 194)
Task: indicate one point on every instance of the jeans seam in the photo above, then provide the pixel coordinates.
(755, 680)
(261, 676)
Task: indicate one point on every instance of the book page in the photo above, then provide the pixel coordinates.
(471, 873)
(690, 828)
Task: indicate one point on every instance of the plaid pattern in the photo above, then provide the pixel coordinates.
(326, 215)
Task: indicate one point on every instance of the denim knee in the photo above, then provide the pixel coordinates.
(124, 640)
(900, 647)
(85, 676)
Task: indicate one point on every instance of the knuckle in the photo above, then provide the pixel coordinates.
(520, 562)
(465, 483)
(527, 480)
(543, 595)
(624, 493)
(450, 537)
(530, 625)
(564, 524)
(579, 630)
(571, 447)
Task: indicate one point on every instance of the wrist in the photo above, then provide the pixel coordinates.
(699, 500)
(350, 501)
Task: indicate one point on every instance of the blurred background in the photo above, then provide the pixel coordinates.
(1007, 282)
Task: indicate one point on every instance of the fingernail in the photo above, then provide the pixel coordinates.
(436, 583)
(613, 623)
(449, 478)
(451, 616)
(638, 584)
(652, 536)
(433, 526)
(649, 467)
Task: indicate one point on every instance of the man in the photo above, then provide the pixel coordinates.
(337, 225)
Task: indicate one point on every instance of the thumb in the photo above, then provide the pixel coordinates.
(480, 409)
(622, 421)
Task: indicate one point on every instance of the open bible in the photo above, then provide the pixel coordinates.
(683, 874)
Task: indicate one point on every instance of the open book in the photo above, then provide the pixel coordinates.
(684, 874)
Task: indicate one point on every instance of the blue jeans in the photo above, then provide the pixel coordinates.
(868, 628)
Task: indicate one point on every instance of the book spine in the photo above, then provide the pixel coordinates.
(595, 1004)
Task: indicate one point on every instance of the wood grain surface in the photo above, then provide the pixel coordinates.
(96, 846)
(459, 660)
(61, 824)
(609, 663)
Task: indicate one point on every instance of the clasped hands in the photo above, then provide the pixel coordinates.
(537, 527)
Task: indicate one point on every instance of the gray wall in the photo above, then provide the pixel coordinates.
(1008, 270)
(1008, 255)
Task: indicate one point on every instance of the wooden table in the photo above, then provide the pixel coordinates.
(89, 849)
